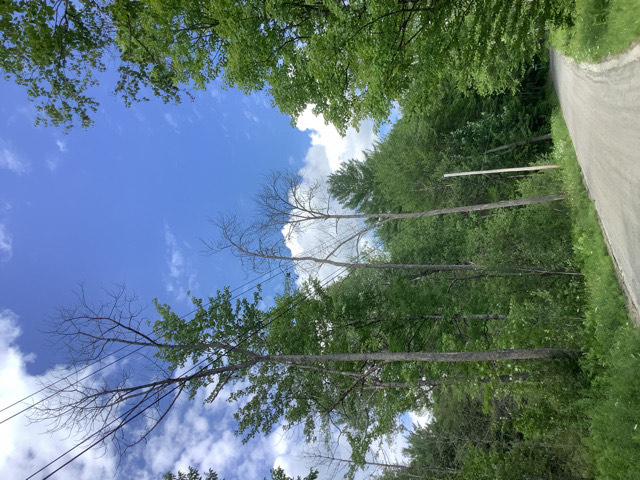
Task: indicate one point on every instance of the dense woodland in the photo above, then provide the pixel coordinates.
(351, 60)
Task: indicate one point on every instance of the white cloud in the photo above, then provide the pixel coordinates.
(192, 434)
(62, 146)
(251, 116)
(181, 277)
(214, 91)
(53, 162)
(25, 447)
(337, 148)
(170, 120)
(200, 435)
(10, 159)
(421, 418)
(6, 244)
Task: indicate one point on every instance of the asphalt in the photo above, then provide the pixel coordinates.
(601, 106)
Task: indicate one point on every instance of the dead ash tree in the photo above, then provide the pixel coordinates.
(288, 208)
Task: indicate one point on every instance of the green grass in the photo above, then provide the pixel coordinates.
(600, 28)
(612, 340)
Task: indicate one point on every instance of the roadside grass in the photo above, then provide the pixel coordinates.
(612, 341)
(600, 28)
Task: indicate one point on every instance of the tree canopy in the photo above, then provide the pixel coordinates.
(350, 59)
(193, 474)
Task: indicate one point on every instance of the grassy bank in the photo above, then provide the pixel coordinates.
(600, 28)
(612, 341)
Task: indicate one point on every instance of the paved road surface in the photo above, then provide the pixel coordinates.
(601, 106)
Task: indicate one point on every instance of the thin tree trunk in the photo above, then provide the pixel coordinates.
(500, 170)
(388, 465)
(510, 146)
(519, 144)
(452, 357)
(443, 211)
(434, 382)
(234, 235)
(395, 266)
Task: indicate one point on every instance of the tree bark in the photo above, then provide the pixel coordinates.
(453, 357)
(500, 170)
(443, 211)
(519, 144)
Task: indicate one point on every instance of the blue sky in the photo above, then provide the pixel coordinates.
(106, 204)
(127, 201)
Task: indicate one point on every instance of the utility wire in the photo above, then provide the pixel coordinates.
(324, 282)
(46, 387)
(33, 405)
(328, 279)
(51, 385)
(99, 440)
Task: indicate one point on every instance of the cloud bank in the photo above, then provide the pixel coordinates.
(193, 433)
(181, 275)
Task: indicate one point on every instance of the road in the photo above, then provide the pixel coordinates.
(601, 106)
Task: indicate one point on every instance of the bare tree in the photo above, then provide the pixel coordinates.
(288, 207)
(221, 345)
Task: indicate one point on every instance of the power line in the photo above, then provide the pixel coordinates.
(46, 387)
(325, 281)
(104, 437)
(298, 300)
(329, 278)
(70, 385)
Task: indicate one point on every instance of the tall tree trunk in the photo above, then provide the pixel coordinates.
(453, 357)
(500, 170)
(443, 211)
(519, 144)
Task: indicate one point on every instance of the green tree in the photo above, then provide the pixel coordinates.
(193, 474)
(350, 60)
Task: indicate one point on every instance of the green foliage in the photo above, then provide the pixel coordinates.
(192, 474)
(54, 50)
(350, 60)
(493, 420)
(276, 474)
(597, 29)
(532, 420)
(214, 328)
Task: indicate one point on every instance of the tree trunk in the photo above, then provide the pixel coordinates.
(500, 170)
(519, 144)
(443, 211)
(453, 357)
